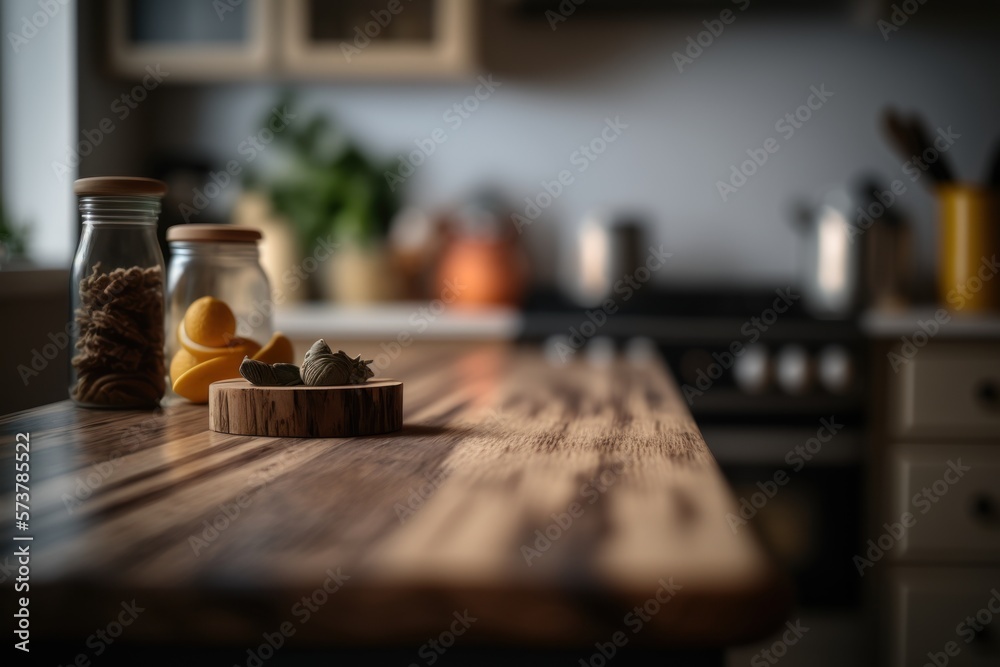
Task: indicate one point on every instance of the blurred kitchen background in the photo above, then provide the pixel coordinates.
(610, 127)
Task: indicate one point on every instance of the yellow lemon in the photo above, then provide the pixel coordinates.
(193, 384)
(182, 362)
(277, 351)
(236, 346)
(210, 322)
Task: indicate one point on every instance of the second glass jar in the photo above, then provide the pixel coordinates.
(220, 261)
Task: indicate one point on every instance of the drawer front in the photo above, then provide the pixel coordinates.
(953, 493)
(948, 390)
(929, 611)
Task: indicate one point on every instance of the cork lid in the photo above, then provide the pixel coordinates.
(125, 186)
(214, 233)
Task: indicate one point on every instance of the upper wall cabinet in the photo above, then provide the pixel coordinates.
(380, 38)
(198, 40)
(194, 40)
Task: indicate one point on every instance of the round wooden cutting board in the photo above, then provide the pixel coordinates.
(241, 408)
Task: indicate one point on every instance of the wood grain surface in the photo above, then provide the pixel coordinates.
(241, 408)
(553, 503)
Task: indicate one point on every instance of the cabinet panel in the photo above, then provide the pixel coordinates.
(379, 38)
(953, 493)
(931, 607)
(948, 390)
(192, 40)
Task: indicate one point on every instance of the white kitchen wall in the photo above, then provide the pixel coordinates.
(38, 117)
(685, 130)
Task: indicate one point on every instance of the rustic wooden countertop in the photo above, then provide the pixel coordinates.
(555, 505)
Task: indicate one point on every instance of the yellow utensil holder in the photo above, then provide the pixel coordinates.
(967, 274)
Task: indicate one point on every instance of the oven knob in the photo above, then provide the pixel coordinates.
(641, 350)
(558, 350)
(835, 369)
(793, 369)
(600, 351)
(752, 369)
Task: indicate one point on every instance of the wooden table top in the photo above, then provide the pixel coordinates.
(548, 501)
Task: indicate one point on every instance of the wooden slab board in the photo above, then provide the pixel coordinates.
(241, 408)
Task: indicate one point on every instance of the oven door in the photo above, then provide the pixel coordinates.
(803, 497)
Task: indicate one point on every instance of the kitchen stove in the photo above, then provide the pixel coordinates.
(761, 377)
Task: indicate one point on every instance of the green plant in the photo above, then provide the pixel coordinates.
(327, 185)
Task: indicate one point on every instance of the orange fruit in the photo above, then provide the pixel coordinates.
(182, 362)
(210, 322)
(236, 346)
(193, 384)
(277, 351)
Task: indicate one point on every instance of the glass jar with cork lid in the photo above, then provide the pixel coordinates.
(219, 261)
(118, 295)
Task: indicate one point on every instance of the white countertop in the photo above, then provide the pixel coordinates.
(421, 320)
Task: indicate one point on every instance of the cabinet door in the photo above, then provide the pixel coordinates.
(930, 609)
(953, 493)
(948, 390)
(192, 39)
(395, 39)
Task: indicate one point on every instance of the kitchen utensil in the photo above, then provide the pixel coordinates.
(969, 236)
(489, 271)
(898, 132)
(483, 255)
(910, 138)
(888, 265)
(993, 176)
(831, 257)
(605, 250)
(939, 168)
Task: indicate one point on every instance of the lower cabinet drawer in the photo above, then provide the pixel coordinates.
(945, 616)
(953, 495)
(947, 390)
